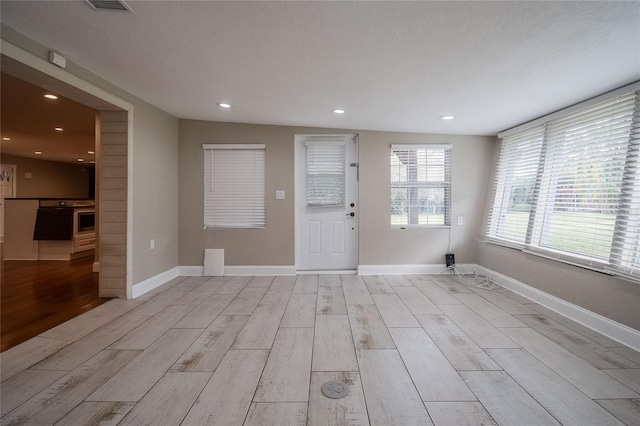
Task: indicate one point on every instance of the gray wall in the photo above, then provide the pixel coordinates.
(608, 296)
(379, 244)
(49, 179)
(155, 186)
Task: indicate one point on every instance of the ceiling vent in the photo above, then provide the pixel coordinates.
(110, 5)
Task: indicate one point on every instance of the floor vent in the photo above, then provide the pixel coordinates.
(110, 5)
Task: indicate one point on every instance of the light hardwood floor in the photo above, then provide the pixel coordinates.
(414, 350)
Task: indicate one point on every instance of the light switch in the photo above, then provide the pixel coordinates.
(279, 195)
(152, 244)
(460, 220)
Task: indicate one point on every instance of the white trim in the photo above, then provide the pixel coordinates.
(233, 146)
(421, 145)
(129, 283)
(240, 270)
(191, 271)
(323, 272)
(251, 270)
(573, 108)
(156, 281)
(400, 269)
(612, 329)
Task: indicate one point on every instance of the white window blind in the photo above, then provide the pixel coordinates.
(420, 185)
(234, 185)
(326, 173)
(569, 188)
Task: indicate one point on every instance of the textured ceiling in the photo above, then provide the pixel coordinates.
(391, 65)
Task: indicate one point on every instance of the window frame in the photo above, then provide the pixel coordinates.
(445, 184)
(624, 255)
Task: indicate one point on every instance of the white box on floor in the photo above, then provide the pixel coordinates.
(213, 262)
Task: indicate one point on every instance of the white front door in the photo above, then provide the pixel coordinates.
(326, 191)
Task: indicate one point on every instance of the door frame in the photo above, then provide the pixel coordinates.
(298, 144)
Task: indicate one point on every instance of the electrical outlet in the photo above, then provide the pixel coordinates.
(152, 244)
(460, 220)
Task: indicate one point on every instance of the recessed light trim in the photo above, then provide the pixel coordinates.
(224, 105)
(337, 111)
(50, 96)
(38, 152)
(80, 160)
(6, 138)
(91, 152)
(58, 129)
(447, 117)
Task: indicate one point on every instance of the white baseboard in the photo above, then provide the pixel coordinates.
(400, 269)
(612, 329)
(241, 270)
(156, 281)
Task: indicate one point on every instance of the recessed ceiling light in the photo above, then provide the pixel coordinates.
(90, 152)
(6, 139)
(447, 117)
(50, 96)
(224, 105)
(81, 159)
(58, 129)
(337, 111)
(38, 153)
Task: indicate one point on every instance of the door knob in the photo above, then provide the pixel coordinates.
(352, 214)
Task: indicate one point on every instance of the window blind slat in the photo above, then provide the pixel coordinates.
(326, 177)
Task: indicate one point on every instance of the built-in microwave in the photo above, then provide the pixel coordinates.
(85, 220)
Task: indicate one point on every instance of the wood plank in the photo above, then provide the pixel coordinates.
(350, 277)
(628, 376)
(595, 354)
(630, 354)
(505, 400)
(348, 411)
(201, 292)
(331, 301)
(301, 311)
(233, 285)
(149, 331)
(377, 284)
(164, 299)
(456, 346)
(333, 348)
(394, 312)
(416, 301)
(434, 292)
(593, 382)
(168, 401)
(206, 353)
(356, 293)
(80, 351)
(306, 284)
(490, 312)
(504, 302)
(261, 328)
(23, 356)
(287, 373)
(626, 410)
(450, 284)
(53, 403)
(368, 329)
(205, 313)
(397, 281)
(432, 375)
(480, 331)
(566, 403)
(23, 386)
(458, 414)
(283, 413)
(590, 334)
(225, 400)
(134, 381)
(391, 397)
(246, 301)
(279, 291)
(97, 413)
(329, 280)
(260, 282)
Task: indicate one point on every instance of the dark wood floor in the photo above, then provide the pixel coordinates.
(38, 295)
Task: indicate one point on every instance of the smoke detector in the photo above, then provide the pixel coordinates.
(110, 5)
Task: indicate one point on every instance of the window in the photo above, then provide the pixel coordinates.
(569, 187)
(234, 186)
(420, 185)
(326, 174)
